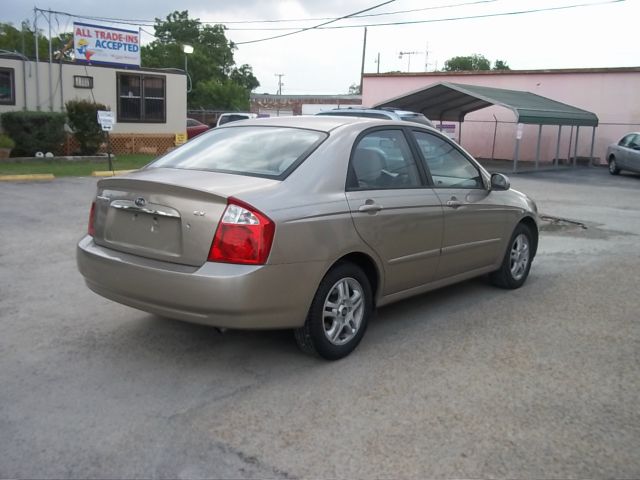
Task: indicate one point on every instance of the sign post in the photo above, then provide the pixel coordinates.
(106, 121)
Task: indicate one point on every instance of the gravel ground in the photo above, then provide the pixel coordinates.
(468, 381)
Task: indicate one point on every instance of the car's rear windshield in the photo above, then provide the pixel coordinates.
(271, 152)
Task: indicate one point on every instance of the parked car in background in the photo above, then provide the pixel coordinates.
(194, 127)
(234, 117)
(307, 223)
(382, 113)
(625, 155)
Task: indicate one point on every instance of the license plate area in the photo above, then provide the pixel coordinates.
(138, 230)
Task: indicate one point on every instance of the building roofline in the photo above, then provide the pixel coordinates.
(132, 68)
(275, 96)
(507, 72)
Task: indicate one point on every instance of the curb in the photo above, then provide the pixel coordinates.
(22, 178)
(110, 173)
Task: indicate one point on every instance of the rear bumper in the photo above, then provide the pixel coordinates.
(216, 294)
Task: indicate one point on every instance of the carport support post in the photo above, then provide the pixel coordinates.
(593, 141)
(538, 146)
(570, 140)
(460, 133)
(557, 159)
(575, 148)
(516, 155)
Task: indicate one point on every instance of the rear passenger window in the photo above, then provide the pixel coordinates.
(382, 159)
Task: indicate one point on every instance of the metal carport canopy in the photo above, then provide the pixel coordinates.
(452, 101)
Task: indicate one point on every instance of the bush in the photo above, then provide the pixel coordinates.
(6, 142)
(35, 132)
(83, 121)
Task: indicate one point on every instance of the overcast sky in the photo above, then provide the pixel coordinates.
(328, 61)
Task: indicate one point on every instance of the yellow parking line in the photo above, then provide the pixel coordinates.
(109, 173)
(22, 178)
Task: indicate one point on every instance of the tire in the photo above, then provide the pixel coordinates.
(339, 313)
(613, 166)
(517, 260)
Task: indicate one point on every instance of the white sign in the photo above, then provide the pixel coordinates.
(98, 44)
(106, 120)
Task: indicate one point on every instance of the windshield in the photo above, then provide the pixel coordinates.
(263, 151)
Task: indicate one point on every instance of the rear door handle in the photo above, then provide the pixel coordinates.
(370, 208)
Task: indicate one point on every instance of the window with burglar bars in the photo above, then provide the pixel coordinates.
(81, 81)
(141, 98)
(7, 87)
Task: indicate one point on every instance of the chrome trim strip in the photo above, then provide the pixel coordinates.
(464, 246)
(129, 205)
(415, 256)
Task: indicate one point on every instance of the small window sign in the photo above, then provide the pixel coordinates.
(81, 81)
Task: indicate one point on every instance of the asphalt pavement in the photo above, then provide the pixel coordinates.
(468, 381)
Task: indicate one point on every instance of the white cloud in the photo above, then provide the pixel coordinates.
(328, 61)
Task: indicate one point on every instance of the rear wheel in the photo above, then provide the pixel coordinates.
(517, 261)
(339, 313)
(613, 166)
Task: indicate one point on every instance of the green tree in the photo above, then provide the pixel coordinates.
(467, 63)
(354, 89)
(211, 63)
(500, 65)
(22, 40)
(221, 94)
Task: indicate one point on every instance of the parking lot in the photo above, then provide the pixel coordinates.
(468, 381)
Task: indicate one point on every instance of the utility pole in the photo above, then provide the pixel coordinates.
(279, 75)
(364, 50)
(408, 54)
(426, 58)
(378, 63)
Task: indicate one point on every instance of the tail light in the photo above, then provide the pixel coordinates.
(92, 214)
(244, 235)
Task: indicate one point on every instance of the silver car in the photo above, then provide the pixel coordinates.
(306, 223)
(625, 155)
(388, 113)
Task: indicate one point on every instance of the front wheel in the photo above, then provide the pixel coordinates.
(339, 313)
(517, 261)
(613, 166)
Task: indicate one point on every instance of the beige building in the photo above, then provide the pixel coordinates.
(150, 105)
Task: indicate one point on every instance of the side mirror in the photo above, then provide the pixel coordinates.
(500, 182)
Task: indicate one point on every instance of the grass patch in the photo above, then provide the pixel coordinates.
(61, 168)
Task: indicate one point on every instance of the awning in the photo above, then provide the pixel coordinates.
(452, 101)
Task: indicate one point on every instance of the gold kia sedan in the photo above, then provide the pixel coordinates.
(304, 223)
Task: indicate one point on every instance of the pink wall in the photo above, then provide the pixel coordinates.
(612, 94)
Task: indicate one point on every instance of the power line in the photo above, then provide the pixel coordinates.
(355, 16)
(324, 26)
(450, 19)
(316, 26)
(147, 22)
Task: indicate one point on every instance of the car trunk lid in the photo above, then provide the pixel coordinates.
(167, 214)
